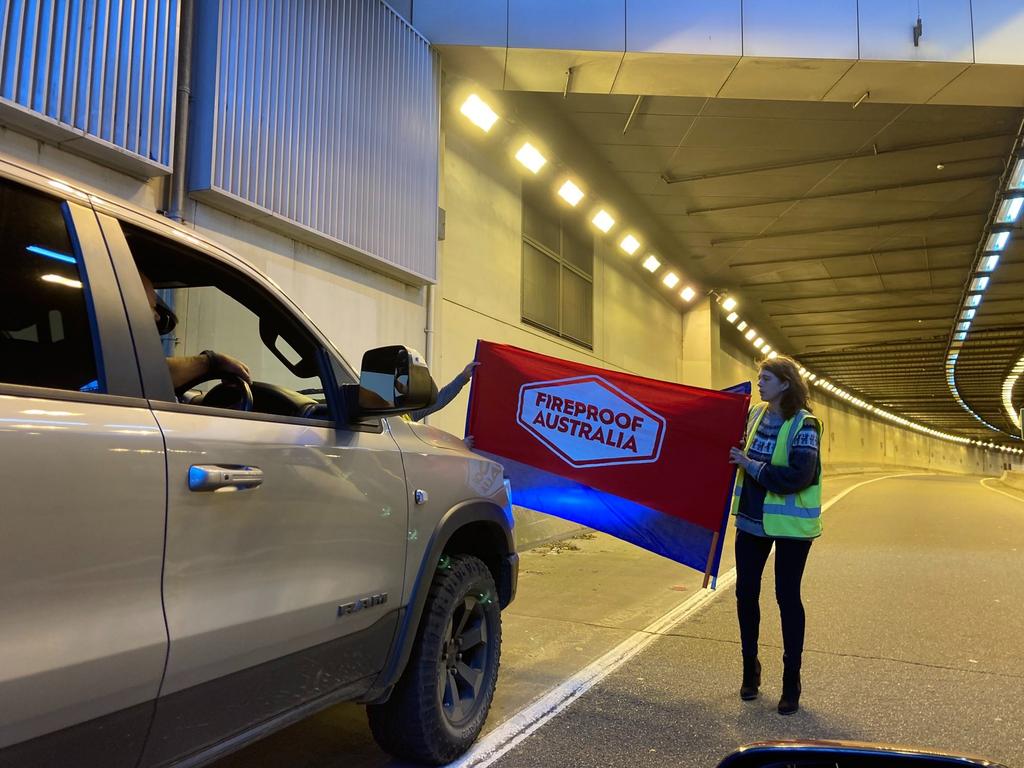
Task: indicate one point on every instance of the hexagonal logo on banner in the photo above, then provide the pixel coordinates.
(588, 422)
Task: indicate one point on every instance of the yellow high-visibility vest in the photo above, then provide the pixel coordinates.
(797, 515)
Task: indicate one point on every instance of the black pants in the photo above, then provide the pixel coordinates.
(790, 558)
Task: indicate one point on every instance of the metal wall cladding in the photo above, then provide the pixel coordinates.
(102, 68)
(322, 114)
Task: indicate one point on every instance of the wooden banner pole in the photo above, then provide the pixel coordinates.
(711, 561)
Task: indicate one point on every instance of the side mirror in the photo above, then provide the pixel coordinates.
(394, 380)
(844, 754)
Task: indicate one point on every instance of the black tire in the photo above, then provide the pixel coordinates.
(424, 721)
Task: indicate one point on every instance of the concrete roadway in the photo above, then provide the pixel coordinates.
(914, 599)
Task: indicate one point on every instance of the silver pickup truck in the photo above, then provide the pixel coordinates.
(210, 525)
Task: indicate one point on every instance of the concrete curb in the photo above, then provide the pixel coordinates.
(1013, 479)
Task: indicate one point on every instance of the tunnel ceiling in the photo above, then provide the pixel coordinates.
(847, 234)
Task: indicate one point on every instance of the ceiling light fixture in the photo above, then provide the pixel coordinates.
(603, 220)
(997, 241)
(478, 112)
(529, 156)
(1009, 210)
(989, 263)
(570, 193)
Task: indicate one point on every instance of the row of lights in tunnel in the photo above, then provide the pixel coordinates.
(728, 304)
(478, 112)
(994, 241)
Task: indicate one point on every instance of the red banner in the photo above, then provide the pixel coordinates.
(641, 444)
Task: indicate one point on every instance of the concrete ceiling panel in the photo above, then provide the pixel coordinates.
(998, 29)
(647, 130)
(805, 136)
(913, 192)
(855, 265)
(986, 84)
(669, 26)
(804, 28)
(783, 79)
(721, 226)
(578, 25)
(545, 70)
(903, 282)
(802, 110)
(894, 82)
(885, 28)
(485, 66)
(592, 103)
(673, 74)
(462, 22)
(901, 262)
(758, 185)
(652, 159)
(861, 206)
(675, 105)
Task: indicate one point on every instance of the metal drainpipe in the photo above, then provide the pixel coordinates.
(428, 332)
(176, 186)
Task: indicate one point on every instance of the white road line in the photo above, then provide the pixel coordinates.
(986, 485)
(527, 721)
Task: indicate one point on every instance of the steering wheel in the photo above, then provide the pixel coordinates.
(232, 392)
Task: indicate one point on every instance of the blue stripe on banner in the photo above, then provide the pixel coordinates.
(662, 534)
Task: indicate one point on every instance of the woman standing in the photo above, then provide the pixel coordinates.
(777, 501)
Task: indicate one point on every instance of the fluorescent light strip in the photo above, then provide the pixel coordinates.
(570, 193)
(997, 241)
(603, 220)
(629, 244)
(478, 112)
(1009, 210)
(529, 156)
(1008, 386)
(988, 263)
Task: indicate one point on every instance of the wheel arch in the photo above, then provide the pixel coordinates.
(475, 527)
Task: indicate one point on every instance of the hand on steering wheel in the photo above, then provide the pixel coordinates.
(229, 381)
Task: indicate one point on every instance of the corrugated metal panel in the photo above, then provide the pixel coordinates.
(102, 68)
(324, 115)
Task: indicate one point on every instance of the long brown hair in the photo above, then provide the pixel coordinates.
(797, 396)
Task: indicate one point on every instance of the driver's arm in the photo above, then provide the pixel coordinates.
(186, 369)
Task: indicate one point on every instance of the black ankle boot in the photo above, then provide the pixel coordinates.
(790, 701)
(751, 678)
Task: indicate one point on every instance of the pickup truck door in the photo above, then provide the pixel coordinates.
(278, 526)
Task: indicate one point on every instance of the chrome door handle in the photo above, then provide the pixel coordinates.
(214, 477)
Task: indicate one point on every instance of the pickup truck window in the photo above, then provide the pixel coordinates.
(215, 323)
(46, 337)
